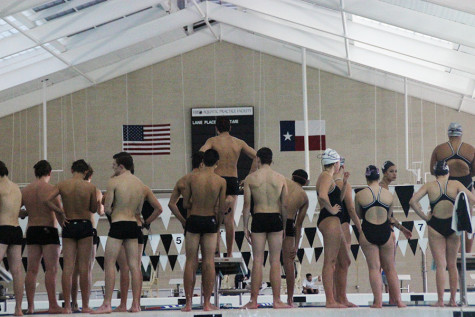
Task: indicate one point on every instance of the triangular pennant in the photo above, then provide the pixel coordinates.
(357, 233)
(5, 263)
(413, 245)
(312, 204)
(300, 253)
(61, 241)
(396, 233)
(403, 246)
(423, 244)
(181, 260)
(301, 237)
(167, 241)
(96, 218)
(23, 223)
(61, 262)
(24, 260)
(420, 227)
(404, 193)
(354, 249)
(100, 261)
(103, 240)
(320, 236)
(318, 252)
(237, 255)
(145, 262)
(154, 241)
(179, 239)
(266, 254)
(308, 254)
(239, 237)
(172, 259)
(165, 216)
(408, 224)
(310, 233)
(223, 237)
(43, 264)
(23, 246)
(247, 257)
(351, 229)
(163, 261)
(145, 240)
(392, 190)
(238, 211)
(154, 261)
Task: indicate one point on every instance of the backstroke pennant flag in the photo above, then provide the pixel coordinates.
(150, 139)
(292, 135)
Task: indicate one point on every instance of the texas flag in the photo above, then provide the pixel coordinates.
(292, 135)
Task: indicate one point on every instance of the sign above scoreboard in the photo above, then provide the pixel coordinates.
(219, 112)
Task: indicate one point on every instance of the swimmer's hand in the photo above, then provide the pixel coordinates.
(336, 209)
(62, 219)
(346, 175)
(406, 232)
(146, 225)
(248, 236)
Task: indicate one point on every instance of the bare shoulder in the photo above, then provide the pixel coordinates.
(468, 147)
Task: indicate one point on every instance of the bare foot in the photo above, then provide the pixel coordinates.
(86, 310)
(74, 307)
(350, 304)
(55, 310)
(400, 304)
(279, 305)
(134, 309)
(452, 303)
(186, 308)
(32, 311)
(120, 309)
(291, 304)
(438, 304)
(209, 307)
(250, 305)
(18, 312)
(66, 310)
(335, 305)
(104, 309)
(377, 306)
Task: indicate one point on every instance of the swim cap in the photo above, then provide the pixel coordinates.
(441, 168)
(386, 166)
(300, 176)
(329, 157)
(342, 161)
(455, 129)
(372, 173)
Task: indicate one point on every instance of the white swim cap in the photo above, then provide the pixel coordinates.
(455, 129)
(329, 157)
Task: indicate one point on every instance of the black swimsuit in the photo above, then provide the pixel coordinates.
(376, 234)
(442, 226)
(334, 196)
(467, 179)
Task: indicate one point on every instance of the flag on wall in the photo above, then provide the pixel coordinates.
(292, 135)
(152, 139)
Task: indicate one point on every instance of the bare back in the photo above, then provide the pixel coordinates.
(296, 198)
(266, 188)
(229, 149)
(10, 202)
(78, 197)
(458, 167)
(377, 214)
(34, 198)
(444, 208)
(207, 190)
(128, 197)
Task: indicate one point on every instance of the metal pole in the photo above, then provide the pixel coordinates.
(424, 271)
(305, 111)
(406, 123)
(45, 125)
(463, 272)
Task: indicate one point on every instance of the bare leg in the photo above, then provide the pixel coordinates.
(386, 256)
(75, 287)
(229, 225)
(392, 301)
(343, 262)
(207, 243)
(131, 252)
(331, 230)
(139, 259)
(275, 246)
(453, 243)
(16, 268)
(51, 256)
(258, 246)
(438, 247)
(69, 258)
(192, 241)
(288, 255)
(371, 253)
(113, 247)
(124, 281)
(84, 263)
(34, 259)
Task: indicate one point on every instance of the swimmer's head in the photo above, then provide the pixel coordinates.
(3, 169)
(89, 173)
(197, 159)
(300, 176)
(123, 159)
(455, 129)
(372, 173)
(389, 170)
(264, 155)
(441, 168)
(210, 157)
(42, 168)
(223, 124)
(329, 158)
(79, 166)
(386, 166)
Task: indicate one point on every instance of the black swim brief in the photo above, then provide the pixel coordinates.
(42, 235)
(290, 228)
(95, 237)
(376, 234)
(442, 226)
(78, 229)
(124, 230)
(263, 222)
(11, 235)
(232, 185)
(201, 224)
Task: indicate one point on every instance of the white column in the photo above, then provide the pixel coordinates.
(45, 125)
(305, 111)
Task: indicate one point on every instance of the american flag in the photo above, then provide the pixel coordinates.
(151, 139)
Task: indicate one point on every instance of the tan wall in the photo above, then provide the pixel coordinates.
(364, 123)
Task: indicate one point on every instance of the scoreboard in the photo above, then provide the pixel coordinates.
(203, 122)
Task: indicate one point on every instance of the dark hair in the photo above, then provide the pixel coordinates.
(124, 159)
(308, 274)
(300, 176)
(265, 155)
(89, 173)
(372, 173)
(441, 168)
(386, 166)
(3, 169)
(223, 124)
(42, 168)
(197, 159)
(210, 157)
(79, 166)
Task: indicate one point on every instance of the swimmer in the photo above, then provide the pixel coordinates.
(443, 241)
(42, 239)
(461, 162)
(202, 193)
(229, 149)
(268, 190)
(79, 202)
(329, 198)
(297, 205)
(374, 206)
(11, 235)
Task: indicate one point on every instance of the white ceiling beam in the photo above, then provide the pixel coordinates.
(194, 41)
(57, 9)
(9, 7)
(460, 5)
